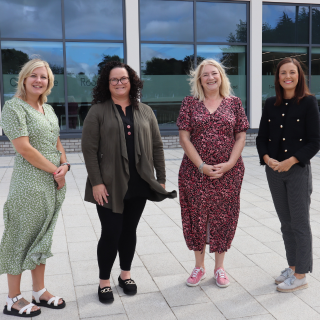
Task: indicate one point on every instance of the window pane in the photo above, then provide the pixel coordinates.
(166, 20)
(93, 20)
(84, 61)
(234, 59)
(30, 19)
(16, 53)
(316, 25)
(271, 56)
(315, 73)
(285, 24)
(164, 70)
(221, 22)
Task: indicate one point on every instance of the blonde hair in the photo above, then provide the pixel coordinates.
(195, 81)
(26, 71)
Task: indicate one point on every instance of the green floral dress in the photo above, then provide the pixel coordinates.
(31, 210)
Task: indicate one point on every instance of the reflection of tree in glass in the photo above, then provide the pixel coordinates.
(56, 69)
(287, 30)
(159, 66)
(315, 25)
(13, 60)
(106, 59)
(240, 34)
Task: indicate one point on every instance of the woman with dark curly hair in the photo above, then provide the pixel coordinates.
(122, 146)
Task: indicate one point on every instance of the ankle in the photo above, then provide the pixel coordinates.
(124, 275)
(12, 295)
(105, 283)
(218, 267)
(299, 275)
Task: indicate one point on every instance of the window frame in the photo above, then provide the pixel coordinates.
(195, 44)
(67, 133)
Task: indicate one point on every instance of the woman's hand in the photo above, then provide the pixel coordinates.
(211, 172)
(285, 165)
(273, 163)
(61, 183)
(60, 173)
(163, 186)
(100, 193)
(222, 168)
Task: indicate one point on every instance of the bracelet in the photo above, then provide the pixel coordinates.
(201, 167)
(268, 162)
(66, 164)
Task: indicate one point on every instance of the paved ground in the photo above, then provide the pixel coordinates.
(163, 263)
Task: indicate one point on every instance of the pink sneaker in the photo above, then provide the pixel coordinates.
(221, 278)
(196, 276)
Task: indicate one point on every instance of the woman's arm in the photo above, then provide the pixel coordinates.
(63, 157)
(61, 172)
(193, 155)
(32, 155)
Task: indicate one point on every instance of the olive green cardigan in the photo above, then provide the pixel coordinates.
(105, 153)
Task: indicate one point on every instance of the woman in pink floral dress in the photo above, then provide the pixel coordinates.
(212, 128)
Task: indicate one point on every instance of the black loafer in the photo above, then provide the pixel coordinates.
(129, 286)
(105, 294)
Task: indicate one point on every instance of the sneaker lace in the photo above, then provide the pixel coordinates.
(221, 274)
(289, 281)
(286, 272)
(195, 273)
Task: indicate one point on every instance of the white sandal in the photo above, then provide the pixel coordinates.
(19, 313)
(47, 304)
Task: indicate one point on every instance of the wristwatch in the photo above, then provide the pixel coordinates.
(66, 164)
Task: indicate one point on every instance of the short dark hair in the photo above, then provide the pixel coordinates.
(301, 90)
(101, 92)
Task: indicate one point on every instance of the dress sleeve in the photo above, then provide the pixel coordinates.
(242, 123)
(184, 118)
(13, 121)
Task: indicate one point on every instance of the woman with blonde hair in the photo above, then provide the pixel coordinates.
(212, 129)
(37, 188)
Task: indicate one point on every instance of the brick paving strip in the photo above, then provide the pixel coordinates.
(162, 262)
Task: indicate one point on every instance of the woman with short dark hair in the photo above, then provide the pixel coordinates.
(289, 136)
(122, 146)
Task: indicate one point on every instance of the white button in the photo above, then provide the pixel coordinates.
(298, 120)
(285, 150)
(269, 120)
(286, 103)
(283, 114)
(281, 126)
(300, 139)
(284, 139)
(269, 139)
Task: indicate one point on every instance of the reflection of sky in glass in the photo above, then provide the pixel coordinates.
(272, 13)
(215, 21)
(51, 52)
(38, 19)
(216, 52)
(99, 19)
(85, 57)
(166, 20)
(164, 51)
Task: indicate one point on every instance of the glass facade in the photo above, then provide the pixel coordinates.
(290, 31)
(75, 47)
(176, 36)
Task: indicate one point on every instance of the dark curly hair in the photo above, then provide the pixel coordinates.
(101, 92)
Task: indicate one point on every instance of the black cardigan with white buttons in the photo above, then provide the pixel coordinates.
(290, 129)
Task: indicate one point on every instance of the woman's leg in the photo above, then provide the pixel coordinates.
(111, 228)
(219, 258)
(199, 255)
(38, 282)
(14, 290)
(132, 212)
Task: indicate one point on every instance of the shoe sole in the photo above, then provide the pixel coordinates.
(221, 285)
(277, 282)
(195, 284)
(305, 286)
(129, 293)
(106, 301)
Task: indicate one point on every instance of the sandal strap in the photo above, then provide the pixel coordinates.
(55, 299)
(11, 301)
(38, 294)
(27, 307)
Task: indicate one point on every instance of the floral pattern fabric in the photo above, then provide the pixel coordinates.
(203, 200)
(31, 210)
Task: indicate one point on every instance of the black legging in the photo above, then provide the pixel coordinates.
(118, 234)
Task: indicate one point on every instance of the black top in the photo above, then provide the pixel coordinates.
(290, 129)
(137, 187)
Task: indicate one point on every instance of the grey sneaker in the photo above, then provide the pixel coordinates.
(292, 284)
(285, 274)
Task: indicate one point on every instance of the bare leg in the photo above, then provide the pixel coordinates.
(125, 275)
(219, 258)
(38, 282)
(105, 283)
(14, 290)
(199, 255)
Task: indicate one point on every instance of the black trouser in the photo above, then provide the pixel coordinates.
(291, 193)
(118, 234)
